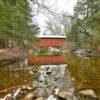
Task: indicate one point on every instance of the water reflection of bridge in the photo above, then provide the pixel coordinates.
(45, 60)
(14, 74)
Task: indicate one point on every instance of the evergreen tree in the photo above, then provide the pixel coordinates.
(15, 21)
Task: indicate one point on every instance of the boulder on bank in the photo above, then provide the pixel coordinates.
(82, 52)
(95, 54)
(87, 53)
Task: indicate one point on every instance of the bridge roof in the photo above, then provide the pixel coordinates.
(52, 36)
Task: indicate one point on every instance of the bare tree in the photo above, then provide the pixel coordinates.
(59, 25)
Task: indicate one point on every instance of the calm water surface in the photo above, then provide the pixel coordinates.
(86, 72)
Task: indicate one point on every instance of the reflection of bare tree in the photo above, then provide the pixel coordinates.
(51, 76)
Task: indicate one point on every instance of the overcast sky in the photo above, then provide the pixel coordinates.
(62, 5)
(57, 6)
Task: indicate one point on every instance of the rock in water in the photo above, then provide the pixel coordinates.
(56, 90)
(39, 98)
(88, 93)
(51, 97)
(65, 95)
(8, 97)
(29, 96)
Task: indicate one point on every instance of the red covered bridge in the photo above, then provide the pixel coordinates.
(52, 41)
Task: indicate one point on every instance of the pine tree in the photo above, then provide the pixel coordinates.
(15, 21)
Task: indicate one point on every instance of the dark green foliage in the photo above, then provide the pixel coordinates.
(15, 18)
(94, 22)
(86, 25)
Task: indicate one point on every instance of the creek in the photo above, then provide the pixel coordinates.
(86, 72)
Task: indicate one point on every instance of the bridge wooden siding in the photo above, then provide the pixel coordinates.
(52, 42)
